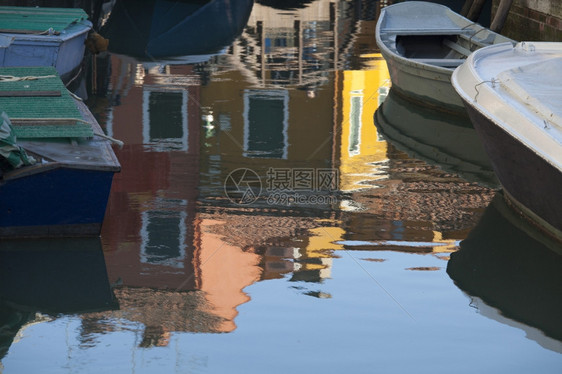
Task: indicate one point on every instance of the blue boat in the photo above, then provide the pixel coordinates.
(31, 36)
(56, 165)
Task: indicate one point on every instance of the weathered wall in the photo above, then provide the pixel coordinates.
(533, 20)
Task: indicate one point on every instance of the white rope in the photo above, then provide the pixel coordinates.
(107, 137)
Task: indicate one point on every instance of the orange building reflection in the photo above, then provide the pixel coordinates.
(168, 251)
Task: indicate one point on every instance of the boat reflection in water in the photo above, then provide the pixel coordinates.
(159, 29)
(446, 140)
(515, 271)
(39, 278)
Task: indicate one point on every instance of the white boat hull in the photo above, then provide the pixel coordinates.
(513, 96)
(425, 86)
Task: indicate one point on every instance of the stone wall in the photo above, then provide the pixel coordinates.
(533, 20)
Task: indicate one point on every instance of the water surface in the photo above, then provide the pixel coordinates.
(263, 222)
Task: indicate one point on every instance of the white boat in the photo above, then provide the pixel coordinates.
(513, 95)
(422, 44)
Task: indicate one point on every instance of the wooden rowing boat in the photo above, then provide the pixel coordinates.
(422, 44)
(33, 36)
(56, 166)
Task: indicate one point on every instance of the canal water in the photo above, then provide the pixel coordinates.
(281, 209)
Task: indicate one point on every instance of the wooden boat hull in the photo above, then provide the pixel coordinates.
(62, 201)
(64, 52)
(422, 44)
(523, 143)
(65, 192)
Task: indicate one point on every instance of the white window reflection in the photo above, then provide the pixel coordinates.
(164, 119)
(163, 236)
(355, 122)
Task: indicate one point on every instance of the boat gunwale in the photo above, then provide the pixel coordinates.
(74, 30)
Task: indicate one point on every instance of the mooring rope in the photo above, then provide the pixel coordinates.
(493, 81)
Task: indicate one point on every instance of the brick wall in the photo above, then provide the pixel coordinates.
(533, 20)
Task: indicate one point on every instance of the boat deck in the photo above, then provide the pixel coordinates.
(57, 129)
(39, 104)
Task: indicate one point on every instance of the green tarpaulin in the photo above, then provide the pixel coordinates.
(33, 19)
(9, 150)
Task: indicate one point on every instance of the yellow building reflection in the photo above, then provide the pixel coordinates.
(360, 146)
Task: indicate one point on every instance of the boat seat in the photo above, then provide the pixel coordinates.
(425, 31)
(457, 47)
(443, 62)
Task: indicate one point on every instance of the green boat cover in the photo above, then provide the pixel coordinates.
(37, 20)
(9, 150)
(39, 105)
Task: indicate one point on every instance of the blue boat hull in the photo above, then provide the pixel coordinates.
(56, 202)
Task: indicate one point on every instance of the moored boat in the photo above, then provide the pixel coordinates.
(33, 36)
(56, 165)
(513, 95)
(422, 44)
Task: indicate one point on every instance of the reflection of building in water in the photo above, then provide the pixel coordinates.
(392, 197)
(300, 46)
(315, 258)
(291, 47)
(170, 248)
(362, 153)
(171, 230)
(262, 128)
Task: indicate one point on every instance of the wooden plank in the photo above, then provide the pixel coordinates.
(44, 121)
(475, 10)
(456, 47)
(406, 31)
(445, 62)
(501, 15)
(52, 93)
(466, 7)
(27, 32)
